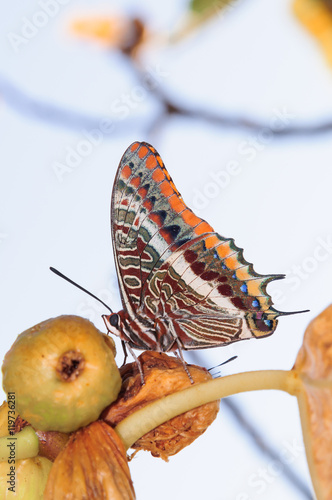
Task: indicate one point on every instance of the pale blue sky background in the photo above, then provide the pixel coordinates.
(255, 61)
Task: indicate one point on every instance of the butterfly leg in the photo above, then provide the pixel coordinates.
(179, 354)
(139, 366)
(124, 352)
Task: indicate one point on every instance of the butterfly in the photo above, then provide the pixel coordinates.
(183, 286)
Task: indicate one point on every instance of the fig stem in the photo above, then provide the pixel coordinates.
(156, 413)
(23, 444)
(136, 425)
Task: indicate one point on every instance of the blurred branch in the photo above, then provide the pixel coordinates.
(258, 439)
(54, 114)
(31, 107)
(260, 442)
(233, 121)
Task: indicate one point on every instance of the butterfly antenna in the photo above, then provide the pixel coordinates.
(224, 363)
(55, 271)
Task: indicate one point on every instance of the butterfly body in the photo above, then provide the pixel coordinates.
(182, 285)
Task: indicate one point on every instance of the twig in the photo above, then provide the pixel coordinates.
(232, 121)
(55, 114)
(171, 107)
(31, 107)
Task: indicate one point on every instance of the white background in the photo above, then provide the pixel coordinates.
(255, 61)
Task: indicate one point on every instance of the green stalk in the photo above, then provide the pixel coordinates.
(145, 419)
(150, 416)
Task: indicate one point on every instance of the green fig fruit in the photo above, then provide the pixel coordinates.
(61, 374)
(24, 479)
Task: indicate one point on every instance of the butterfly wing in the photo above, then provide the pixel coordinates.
(149, 220)
(203, 331)
(172, 264)
(211, 294)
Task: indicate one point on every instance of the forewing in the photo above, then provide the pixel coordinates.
(149, 220)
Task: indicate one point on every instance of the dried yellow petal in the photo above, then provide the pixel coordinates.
(314, 365)
(316, 16)
(123, 33)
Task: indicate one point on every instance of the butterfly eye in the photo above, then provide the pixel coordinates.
(114, 320)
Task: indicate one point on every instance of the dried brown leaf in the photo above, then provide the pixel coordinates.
(163, 375)
(92, 466)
